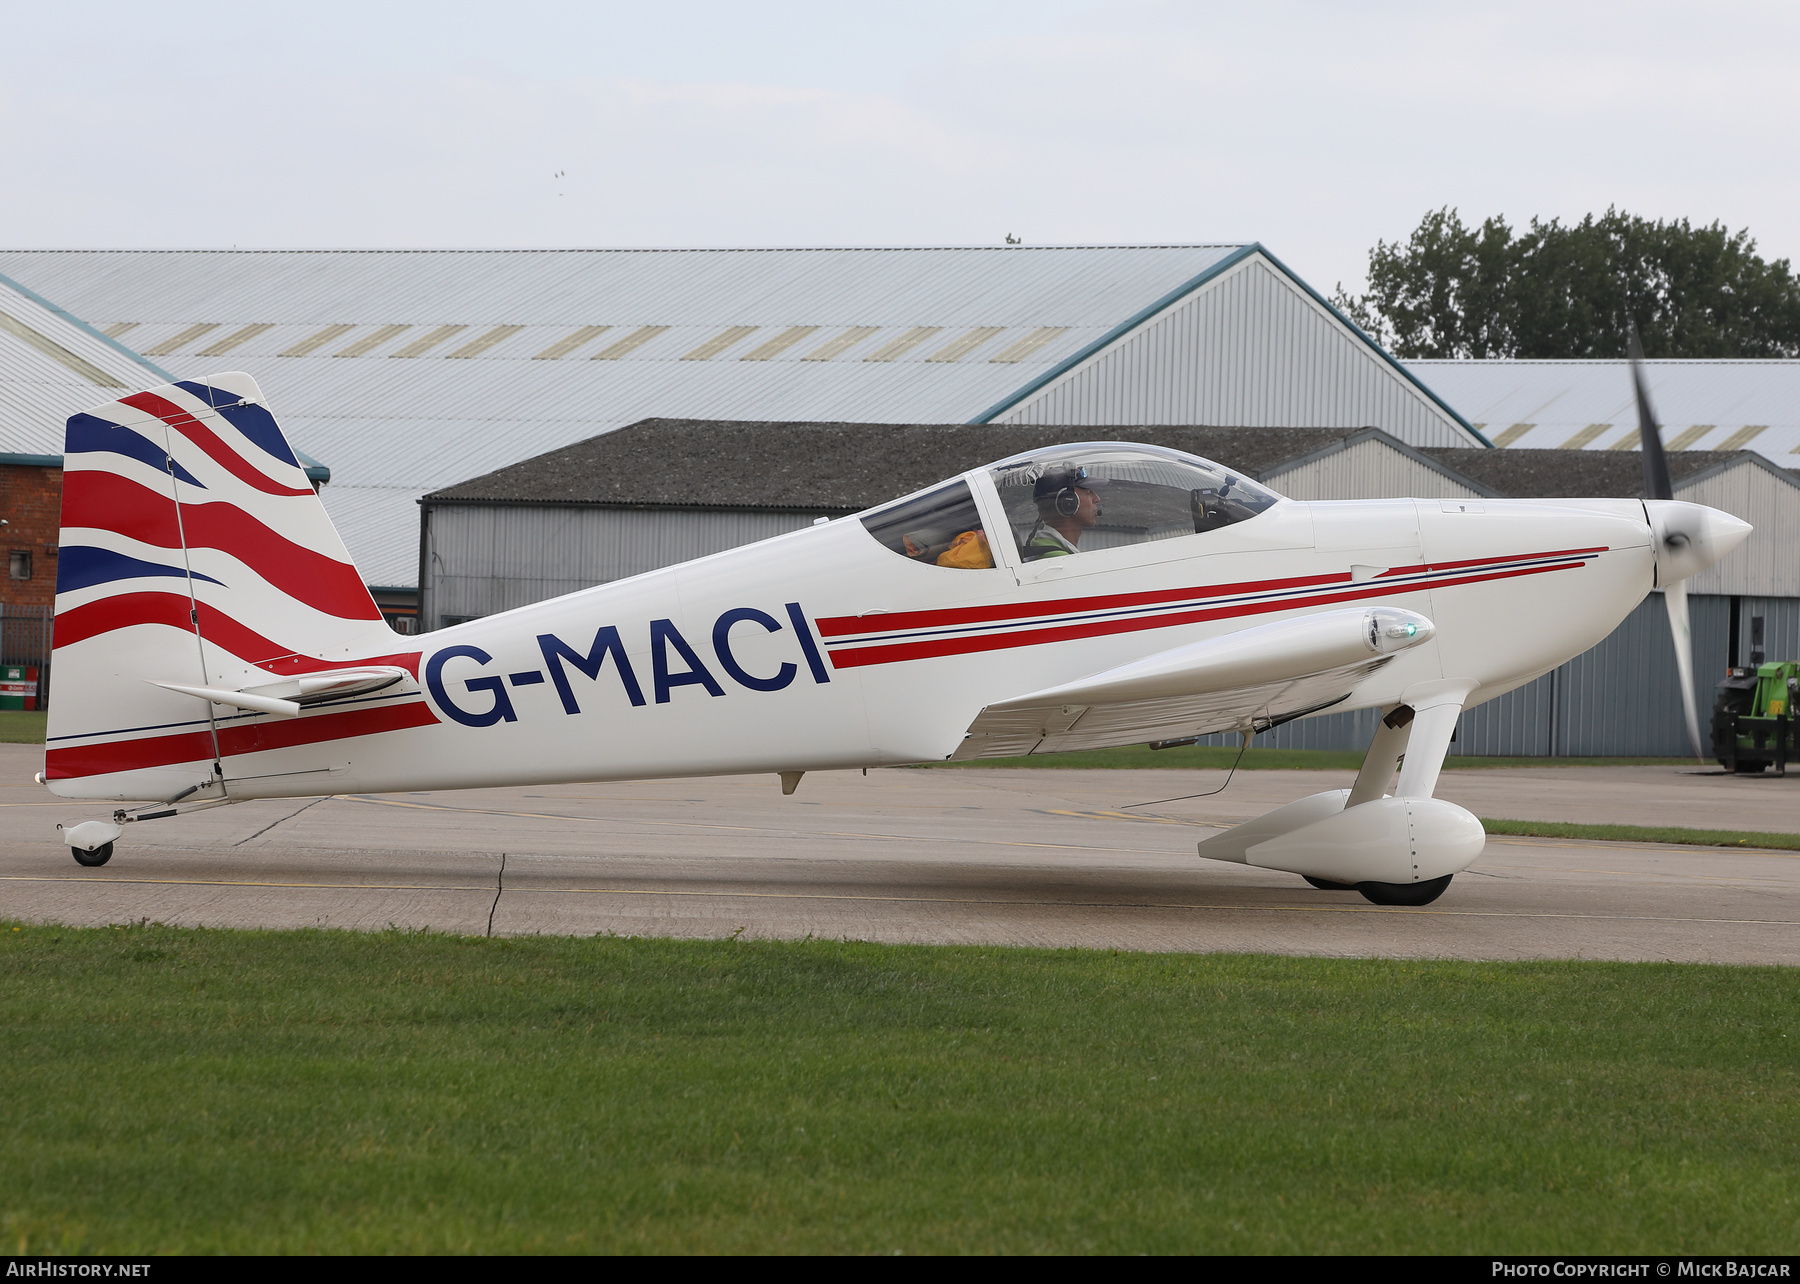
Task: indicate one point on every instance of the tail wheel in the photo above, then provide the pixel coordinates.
(1404, 893)
(1326, 885)
(92, 860)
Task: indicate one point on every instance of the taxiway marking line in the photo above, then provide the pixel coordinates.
(1709, 880)
(911, 900)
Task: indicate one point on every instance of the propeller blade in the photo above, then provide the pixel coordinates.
(1656, 465)
(1657, 486)
(1676, 601)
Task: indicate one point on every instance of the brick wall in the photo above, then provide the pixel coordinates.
(31, 504)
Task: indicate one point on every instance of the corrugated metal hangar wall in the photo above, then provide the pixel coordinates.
(1619, 699)
(1622, 698)
(1227, 354)
(484, 559)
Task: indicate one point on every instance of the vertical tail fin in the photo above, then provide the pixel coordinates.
(194, 552)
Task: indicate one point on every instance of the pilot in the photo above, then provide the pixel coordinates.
(1068, 503)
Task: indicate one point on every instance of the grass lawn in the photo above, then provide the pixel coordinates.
(201, 1091)
(18, 727)
(1644, 834)
(1204, 757)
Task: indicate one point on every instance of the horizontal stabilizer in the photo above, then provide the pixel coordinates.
(1247, 680)
(237, 699)
(290, 697)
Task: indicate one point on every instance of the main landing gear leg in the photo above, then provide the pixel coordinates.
(1424, 738)
(1401, 849)
(1383, 759)
(1377, 774)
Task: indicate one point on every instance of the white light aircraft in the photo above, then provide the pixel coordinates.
(214, 643)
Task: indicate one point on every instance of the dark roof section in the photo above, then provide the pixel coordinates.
(823, 467)
(1573, 474)
(844, 468)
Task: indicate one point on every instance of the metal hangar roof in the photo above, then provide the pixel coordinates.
(1587, 405)
(51, 366)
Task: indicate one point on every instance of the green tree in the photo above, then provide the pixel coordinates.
(1567, 289)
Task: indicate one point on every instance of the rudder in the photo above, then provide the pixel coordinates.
(194, 551)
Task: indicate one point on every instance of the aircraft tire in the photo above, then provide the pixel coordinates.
(1405, 893)
(92, 860)
(1326, 885)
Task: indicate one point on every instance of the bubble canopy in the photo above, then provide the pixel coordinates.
(1065, 500)
(1081, 498)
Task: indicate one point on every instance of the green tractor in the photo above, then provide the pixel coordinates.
(1753, 717)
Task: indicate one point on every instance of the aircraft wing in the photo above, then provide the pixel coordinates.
(1245, 681)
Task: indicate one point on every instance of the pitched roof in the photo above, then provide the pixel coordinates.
(821, 467)
(1703, 405)
(51, 366)
(1576, 474)
(846, 467)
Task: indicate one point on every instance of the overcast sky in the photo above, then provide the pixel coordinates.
(1315, 128)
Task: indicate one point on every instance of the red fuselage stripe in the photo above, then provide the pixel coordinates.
(847, 625)
(196, 746)
(851, 659)
(842, 625)
(1438, 567)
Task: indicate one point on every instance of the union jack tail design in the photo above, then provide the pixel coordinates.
(195, 558)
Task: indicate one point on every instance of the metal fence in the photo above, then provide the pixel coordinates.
(25, 639)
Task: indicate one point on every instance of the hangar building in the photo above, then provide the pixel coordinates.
(663, 491)
(413, 370)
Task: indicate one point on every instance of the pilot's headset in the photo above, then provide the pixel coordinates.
(1056, 488)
